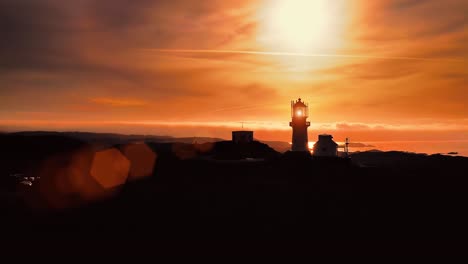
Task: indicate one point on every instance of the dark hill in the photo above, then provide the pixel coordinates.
(205, 198)
(103, 140)
(222, 150)
(229, 150)
(109, 139)
(19, 152)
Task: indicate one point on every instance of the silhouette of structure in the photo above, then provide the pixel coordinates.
(325, 146)
(242, 136)
(346, 148)
(299, 124)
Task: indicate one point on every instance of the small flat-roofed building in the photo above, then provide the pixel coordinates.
(242, 136)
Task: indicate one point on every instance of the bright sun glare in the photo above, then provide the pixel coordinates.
(302, 25)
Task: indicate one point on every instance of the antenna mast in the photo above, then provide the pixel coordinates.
(346, 147)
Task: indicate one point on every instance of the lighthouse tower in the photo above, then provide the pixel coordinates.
(299, 124)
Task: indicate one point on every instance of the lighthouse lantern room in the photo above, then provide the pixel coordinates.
(299, 124)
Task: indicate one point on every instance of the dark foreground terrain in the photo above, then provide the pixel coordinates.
(222, 198)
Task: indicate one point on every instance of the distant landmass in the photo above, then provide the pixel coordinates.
(104, 140)
(109, 139)
(358, 145)
(22, 149)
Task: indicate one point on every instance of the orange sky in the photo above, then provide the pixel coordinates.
(371, 70)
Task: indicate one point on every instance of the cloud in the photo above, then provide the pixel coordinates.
(344, 126)
(377, 69)
(435, 29)
(119, 102)
(52, 34)
(70, 58)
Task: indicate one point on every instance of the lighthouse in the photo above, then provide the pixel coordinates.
(299, 124)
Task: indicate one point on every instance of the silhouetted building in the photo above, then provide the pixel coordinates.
(299, 124)
(325, 146)
(242, 136)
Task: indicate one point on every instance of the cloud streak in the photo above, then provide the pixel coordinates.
(294, 54)
(118, 102)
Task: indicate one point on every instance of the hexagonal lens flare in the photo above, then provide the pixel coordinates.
(110, 168)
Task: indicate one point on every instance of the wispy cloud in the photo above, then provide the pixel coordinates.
(296, 54)
(118, 102)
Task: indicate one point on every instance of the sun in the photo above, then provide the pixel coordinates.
(301, 25)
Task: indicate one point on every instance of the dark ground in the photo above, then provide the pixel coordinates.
(202, 202)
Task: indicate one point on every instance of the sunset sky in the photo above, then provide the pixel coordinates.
(370, 70)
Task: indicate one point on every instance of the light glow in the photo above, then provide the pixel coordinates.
(302, 25)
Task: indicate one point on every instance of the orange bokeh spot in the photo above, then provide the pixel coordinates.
(184, 151)
(65, 181)
(142, 160)
(110, 168)
(204, 147)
